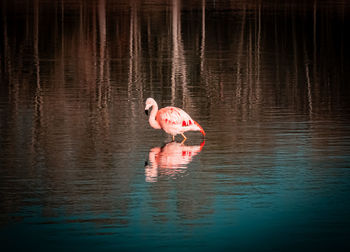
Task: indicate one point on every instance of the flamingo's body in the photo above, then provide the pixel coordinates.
(172, 120)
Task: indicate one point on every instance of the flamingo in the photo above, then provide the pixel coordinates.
(172, 120)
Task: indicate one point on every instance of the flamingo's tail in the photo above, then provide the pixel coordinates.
(200, 128)
(202, 145)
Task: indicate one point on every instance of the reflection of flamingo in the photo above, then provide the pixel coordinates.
(171, 159)
(172, 120)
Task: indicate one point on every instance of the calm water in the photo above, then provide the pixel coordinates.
(81, 169)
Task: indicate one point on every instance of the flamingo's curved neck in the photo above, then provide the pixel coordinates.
(152, 118)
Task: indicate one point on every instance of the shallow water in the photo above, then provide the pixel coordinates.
(81, 169)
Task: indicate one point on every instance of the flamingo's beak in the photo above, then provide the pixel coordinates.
(146, 112)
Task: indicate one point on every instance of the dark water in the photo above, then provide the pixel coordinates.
(82, 170)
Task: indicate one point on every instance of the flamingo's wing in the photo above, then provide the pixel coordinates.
(173, 115)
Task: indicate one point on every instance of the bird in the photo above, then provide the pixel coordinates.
(172, 120)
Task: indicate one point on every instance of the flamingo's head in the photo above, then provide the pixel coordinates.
(149, 103)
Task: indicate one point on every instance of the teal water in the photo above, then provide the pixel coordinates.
(82, 170)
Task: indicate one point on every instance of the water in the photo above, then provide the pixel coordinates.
(82, 170)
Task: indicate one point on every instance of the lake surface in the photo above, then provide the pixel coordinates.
(82, 170)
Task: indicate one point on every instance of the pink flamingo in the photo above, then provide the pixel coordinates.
(172, 120)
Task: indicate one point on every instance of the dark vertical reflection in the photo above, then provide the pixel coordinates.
(179, 65)
(202, 55)
(38, 99)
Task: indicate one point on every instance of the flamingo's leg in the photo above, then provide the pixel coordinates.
(184, 136)
(173, 138)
